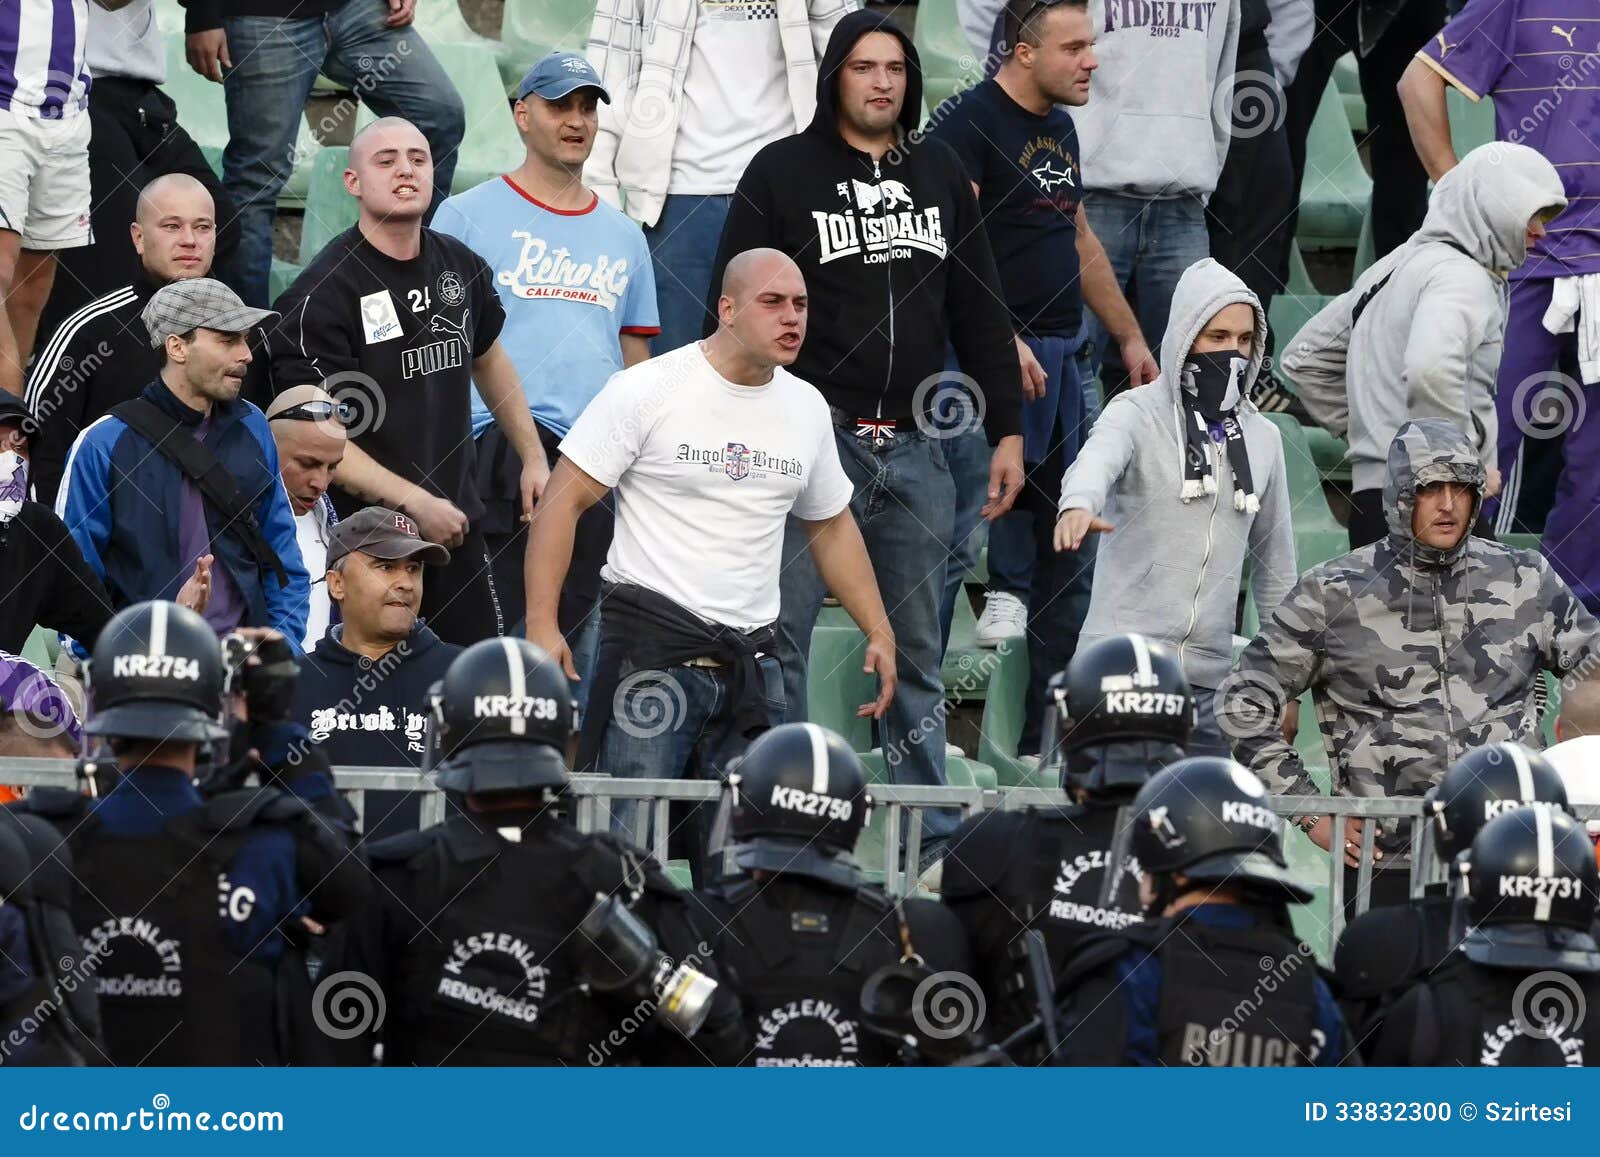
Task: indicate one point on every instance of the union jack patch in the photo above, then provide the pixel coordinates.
(877, 429)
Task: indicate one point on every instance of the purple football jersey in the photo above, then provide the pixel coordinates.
(1540, 60)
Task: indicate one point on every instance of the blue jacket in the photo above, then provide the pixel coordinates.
(120, 500)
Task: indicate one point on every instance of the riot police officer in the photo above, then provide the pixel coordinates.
(1121, 711)
(1384, 950)
(192, 907)
(800, 935)
(1523, 987)
(504, 936)
(1214, 976)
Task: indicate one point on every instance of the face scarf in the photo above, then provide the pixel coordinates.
(1210, 400)
(13, 484)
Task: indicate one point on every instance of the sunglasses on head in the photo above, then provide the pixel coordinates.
(317, 410)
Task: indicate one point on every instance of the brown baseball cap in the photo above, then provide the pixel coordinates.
(383, 533)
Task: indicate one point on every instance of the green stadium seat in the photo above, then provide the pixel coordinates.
(41, 648)
(1004, 704)
(948, 61)
(1471, 124)
(1318, 536)
(959, 772)
(329, 209)
(1347, 79)
(532, 28)
(1332, 455)
(491, 145)
(835, 683)
(1336, 189)
(1299, 276)
(169, 15)
(1520, 541)
(281, 277)
(1289, 313)
(1366, 248)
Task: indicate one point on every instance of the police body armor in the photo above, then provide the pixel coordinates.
(1472, 1016)
(798, 953)
(499, 980)
(1214, 1009)
(1039, 868)
(1384, 950)
(154, 912)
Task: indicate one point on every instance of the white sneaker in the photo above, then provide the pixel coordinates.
(1005, 617)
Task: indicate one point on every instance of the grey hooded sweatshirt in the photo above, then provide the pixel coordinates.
(1171, 569)
(1428, 343)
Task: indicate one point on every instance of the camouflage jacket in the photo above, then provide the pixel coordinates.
(1413, 655)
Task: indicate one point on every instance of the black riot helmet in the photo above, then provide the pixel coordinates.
(1487, 782)
(156, 673)
(1532, 886)
(799, 803)
(499, 720)
(1121, 711)
(1208, 819)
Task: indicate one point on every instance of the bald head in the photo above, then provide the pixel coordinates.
(1580, 710)
(754, 269)
(391, 172)
(310, 445)
(174, 228)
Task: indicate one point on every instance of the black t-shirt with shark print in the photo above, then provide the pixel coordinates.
(396, 339)
(1029, 186)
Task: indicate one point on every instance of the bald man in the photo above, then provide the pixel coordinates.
(401, 322)
(309, 432)
(710, 448)
(101, 354)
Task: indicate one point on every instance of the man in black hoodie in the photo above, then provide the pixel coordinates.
(886, 231)
(363, 692)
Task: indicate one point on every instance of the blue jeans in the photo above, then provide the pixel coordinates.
(904, 502)
(275, 63)
(676, 725)
(683, 247)
(968, 455)
(1149, 243)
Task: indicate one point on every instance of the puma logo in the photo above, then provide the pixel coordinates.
(1443, 47)
(443, 325)
(1564, 34)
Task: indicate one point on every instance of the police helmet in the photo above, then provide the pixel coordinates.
(1121, 710)
(1208, 819)
(156, 673)
(1487, 782)
(799, 803)
(500, 720)
(1532, 886)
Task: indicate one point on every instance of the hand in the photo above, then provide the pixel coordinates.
(269, 676)
(1291, 722)
(196, 593)
(1074, 525)
(208, 53)
(880, 660)
(1005, 476)
(401, 13)
(1492, 486)
(535, 477)
(548, 639)
(438, 520)
(1142, 367)
(1321, 834)
(1033, 375)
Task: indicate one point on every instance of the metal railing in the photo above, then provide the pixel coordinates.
(902, 809)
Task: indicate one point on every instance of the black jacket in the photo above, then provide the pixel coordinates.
(46, 581)
(895, 258)
(98, 356)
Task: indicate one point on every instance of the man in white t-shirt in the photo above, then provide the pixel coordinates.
(697, 88)
(710, 448)
(309, 433)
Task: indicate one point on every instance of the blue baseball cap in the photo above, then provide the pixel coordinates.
(558, 74)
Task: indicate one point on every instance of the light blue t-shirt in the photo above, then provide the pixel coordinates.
(571, 283)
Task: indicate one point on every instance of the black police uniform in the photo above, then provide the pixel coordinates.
(1187, 989)
(190, 908)
(476, 938)
(1121, 711)
(1523, 987)
(800, 942)
(1385, 950)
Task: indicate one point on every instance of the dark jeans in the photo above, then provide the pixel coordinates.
(458, 600)
(135, 138)
(904, 502)
(683, 247)
(1248, 215)
(1399, 182)
(275, 64)
(672, 724)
